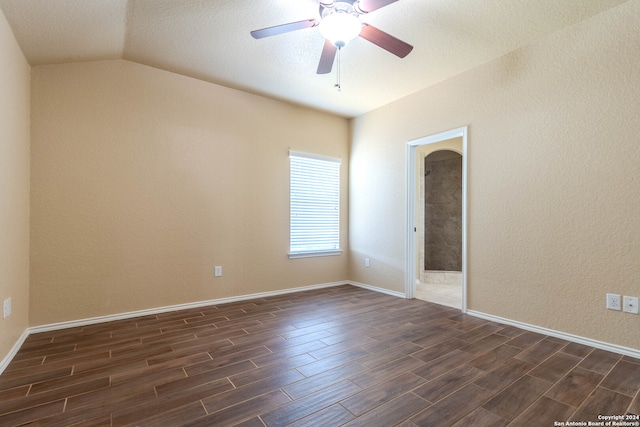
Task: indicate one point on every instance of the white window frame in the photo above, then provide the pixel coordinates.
(314, 222)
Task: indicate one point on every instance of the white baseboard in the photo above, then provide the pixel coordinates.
(128, 315)
(14, 350)
(158, 310)
(377, 289)
(120, 316)
(627, 351)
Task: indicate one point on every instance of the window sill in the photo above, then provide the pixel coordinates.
(315, 254)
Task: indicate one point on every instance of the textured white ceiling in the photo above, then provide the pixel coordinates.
(209, 40)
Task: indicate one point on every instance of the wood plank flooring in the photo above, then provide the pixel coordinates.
(328, 357)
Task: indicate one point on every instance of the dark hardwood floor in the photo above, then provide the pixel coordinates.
(328, 357)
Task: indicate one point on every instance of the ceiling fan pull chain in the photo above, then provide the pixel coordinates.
(337, 85)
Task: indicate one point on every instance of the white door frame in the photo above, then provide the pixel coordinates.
(410, 273)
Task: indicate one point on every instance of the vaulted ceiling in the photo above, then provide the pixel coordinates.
(210, 40)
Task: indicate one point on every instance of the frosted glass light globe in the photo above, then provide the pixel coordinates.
(340, 28)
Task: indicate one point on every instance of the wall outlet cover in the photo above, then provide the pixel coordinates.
(218, 271)
(614, 302)
(6, 308)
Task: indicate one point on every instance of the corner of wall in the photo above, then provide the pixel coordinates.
(14, 191)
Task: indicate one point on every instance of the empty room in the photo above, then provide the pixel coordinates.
(319, 213)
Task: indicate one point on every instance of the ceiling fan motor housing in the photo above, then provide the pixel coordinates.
(348, 6)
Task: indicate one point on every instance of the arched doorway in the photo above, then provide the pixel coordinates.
(417, 150)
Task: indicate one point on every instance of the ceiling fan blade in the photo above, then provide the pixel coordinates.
(385, 41)
(326, 58)
(284, 28)
(370, 5)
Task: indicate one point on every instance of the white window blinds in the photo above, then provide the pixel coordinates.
(314, 204)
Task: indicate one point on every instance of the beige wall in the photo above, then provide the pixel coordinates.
(14, 188)
(144, 180)
(553, 161)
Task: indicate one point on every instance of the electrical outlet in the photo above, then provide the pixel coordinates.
(630, 304)
(6, 308)
(218, 271)
(367, 263)
(614, 302)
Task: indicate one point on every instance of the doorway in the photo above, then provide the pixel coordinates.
(439, 225)
(434, 265)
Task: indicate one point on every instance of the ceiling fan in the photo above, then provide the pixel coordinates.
(340, 23)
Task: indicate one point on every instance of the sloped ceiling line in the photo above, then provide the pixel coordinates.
(210, 40)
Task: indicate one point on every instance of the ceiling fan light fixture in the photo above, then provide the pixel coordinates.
(340, 27)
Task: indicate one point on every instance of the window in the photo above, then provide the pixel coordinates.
(314, 205)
